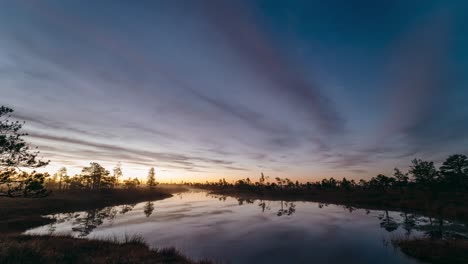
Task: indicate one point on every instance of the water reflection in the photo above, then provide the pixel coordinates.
(148, 209)
(433, 228)
(387, 222)
(219, 227)
(285, 207)
(83, 223)
(430, 227)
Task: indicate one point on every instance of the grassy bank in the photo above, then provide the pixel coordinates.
(446, 205)
(57, 249)
(436, 251)
(19, 214)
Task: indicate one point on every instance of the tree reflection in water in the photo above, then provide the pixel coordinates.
(264, 206)
(430, 227)
(286, 208)
(438, 228)
(388, 223)
(148, 208)
(242, 200)
(289, 208)
(84, 223)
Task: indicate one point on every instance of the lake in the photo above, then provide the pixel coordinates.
(230, 230)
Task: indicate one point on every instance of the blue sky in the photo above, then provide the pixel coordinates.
(210, 89)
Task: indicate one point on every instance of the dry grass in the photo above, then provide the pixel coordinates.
(436, 251)
(60, 249)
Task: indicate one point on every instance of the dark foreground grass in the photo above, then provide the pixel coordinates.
(436, 251)
(59, 249)
(19, 214)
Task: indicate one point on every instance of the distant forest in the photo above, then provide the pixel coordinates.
(452, 176)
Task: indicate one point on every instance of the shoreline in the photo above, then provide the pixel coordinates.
(436, 251)
(448, 209)
(19, 214)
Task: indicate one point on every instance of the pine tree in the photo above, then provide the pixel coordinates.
(151, 181)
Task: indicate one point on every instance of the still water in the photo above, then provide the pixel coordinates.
(230, 230)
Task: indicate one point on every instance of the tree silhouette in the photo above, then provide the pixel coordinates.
(151, 181)
(16, 153)
(424, 172)
(118, 172)
(131, 183)
(96, 176)
(454, 171)
(262, 179)
(401, 178)
(61, 175)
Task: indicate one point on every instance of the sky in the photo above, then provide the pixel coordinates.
(204, 90)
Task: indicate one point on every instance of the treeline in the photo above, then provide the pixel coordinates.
(17, 183)
(96, 177)
(452, 176)
(15, 154)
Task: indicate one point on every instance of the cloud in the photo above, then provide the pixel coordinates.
(116, 152)
(252, 119)
(215, 81)
(252, 42)
(419, 79)
(235, 168)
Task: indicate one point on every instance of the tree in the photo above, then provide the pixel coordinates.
(16, 183)
(131, 183)
(454, 171)
(96, 176)
(61, 175)
(346, 185)
(401, 178)
(15, 153)
(118, 172)
(66, 182)
(424, 172)
(384, 182)
(151, 181)
(76, 182)
(262, 179)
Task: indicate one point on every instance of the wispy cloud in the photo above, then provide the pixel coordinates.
(252, 42)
